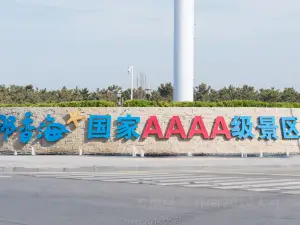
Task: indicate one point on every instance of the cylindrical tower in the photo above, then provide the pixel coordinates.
(184, 37)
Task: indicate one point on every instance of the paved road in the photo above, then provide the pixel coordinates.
(227, 180)
(161, 197)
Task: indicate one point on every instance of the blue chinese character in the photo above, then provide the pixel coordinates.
(99, 126)
(267, 127)
(53, 131)
(288, 128)
(127, 126)
(7, 126)
(26, 129)
(40, 130)
(242, 127)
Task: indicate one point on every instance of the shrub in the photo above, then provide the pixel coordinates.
(93, 103)
(233, 103)
(144, 103)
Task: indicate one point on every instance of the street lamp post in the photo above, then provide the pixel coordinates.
(130, 71)
(119, 95)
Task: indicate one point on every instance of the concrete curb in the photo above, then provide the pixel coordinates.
(105, 169)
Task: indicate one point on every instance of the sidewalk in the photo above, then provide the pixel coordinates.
(97, 164)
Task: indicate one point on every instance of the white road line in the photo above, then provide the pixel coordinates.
(120, 180)
(262, 189)
(276, 184)
(58, 175)
(210, 179)
(91, 178)
(133, 182)
(4, 176)
(291, 192)
(181, 177)
(148, 176)
(113, 177)
(172, 184)
(116, 173)
(149, 181)
(229, 187)
(138, 180)
(288, 188)
(233, 181)
(153, 177)
(218, 182)
(242, 179)
(255, 181)
(72, 177)
(248, 173)
(96, 174)
(199, 185)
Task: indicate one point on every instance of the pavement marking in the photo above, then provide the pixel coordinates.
(291, 192)
(229, 187)
(74, 178)
(172, 184)
(154, 176)
(275, 184)
(262, 189)
(289, 188)
(160, 179)
(95, 174)
(4, 176)
(120, 180)
(255, 181)
(199, 185)
(249, 173)
(167, 177)
(198, 179)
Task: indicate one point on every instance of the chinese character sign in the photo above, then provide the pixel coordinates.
(288, 128)
(99, 126)
(7, 125)
(26, 131)
(128, 127)
(242, 127)
(267, 128)
(51, 131)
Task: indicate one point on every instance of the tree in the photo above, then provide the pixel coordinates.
(84, 93)
(201, 92)
(246, 93)
(289, 95)
(166, 91)
(269, 95)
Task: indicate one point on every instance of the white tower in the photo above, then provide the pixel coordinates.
(184, 37)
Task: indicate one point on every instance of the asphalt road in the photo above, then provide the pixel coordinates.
(72, 200)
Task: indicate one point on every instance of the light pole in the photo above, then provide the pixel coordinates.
(119, 95)
(130, 71)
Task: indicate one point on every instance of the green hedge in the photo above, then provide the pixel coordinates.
(143, 103)
(233, 103)
(93, 103)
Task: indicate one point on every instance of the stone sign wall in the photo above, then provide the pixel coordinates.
(149, 130)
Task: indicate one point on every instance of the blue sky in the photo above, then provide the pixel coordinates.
(90, 43)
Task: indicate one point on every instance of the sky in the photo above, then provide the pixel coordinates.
(91, 43)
